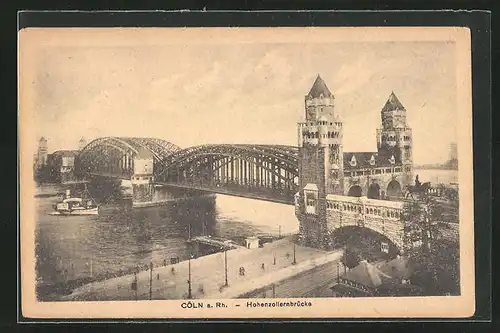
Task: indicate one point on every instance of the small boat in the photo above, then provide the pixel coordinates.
(76, 206)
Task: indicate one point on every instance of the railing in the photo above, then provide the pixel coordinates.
(239, 189)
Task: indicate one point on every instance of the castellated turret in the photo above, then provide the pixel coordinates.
(323, 129)
(328, 176)
(395, 136)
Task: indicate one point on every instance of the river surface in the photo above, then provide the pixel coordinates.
(121, 239)
(436, 176)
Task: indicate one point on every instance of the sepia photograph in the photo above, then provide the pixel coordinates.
(246, 172)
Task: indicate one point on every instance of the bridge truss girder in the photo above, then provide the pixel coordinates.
(247, 166)
(115, 156)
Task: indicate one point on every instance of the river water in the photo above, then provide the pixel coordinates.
(437, 176)
(120, 238)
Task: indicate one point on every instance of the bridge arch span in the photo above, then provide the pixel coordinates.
(218, 165)
(355, 191)
(114, 156)
(342, 235)
(394, 189)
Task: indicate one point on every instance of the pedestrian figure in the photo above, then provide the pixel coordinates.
(262, 266)
(173, 270)
(287, 255)
(242, 271)
(164, 262)
(201, 290)
(158, 276)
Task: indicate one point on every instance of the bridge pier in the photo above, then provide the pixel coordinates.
(142, 189)
(147, 194)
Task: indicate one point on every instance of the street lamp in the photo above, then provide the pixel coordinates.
(225, 265)
(150, 280)
(190, 296)
(294, 261)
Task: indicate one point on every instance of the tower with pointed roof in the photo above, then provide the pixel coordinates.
(82, 143)
(394, 138)
(320, 160)
(42, 152)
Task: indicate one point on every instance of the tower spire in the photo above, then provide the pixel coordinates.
(393, 103)
(319, 88)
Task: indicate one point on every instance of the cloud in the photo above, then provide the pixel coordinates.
(353, 75)
(239, 92)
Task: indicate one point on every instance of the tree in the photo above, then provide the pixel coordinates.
(435, 264)
(351, 257)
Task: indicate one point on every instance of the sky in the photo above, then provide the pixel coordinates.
(191, 94)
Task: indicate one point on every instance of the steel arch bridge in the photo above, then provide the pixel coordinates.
(114, 156)
(267, 172)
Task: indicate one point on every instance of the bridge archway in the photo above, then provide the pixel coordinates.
(355, 191)
(372, 244)
(374, 191)
(394, 189)
(114, 156)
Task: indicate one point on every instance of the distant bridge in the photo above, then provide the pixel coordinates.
(265, 172)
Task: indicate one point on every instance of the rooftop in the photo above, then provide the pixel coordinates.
(319, 88)
(367, 274)
(397, 268)
(363, 160)
(393, 103)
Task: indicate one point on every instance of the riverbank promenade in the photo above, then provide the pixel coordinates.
(208, 276)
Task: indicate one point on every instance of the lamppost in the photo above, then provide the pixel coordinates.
(150, 280)
(225, 265)
(338, 272)
(189, 296)
(294, 259)
(135, 285)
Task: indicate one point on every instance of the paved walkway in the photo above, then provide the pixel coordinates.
(241, 290)
(313, 283)
(208, 275)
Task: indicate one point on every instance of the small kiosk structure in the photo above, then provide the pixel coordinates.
(252, 242)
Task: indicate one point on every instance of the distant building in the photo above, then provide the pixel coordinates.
(42, 152)
(41, 171)
(453, 151)
(82, 143)
(62, 165)
(453, 161)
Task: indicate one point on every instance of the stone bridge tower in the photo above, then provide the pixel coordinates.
(395, 136)
(320, 162)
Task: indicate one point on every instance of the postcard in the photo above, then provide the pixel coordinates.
(246, 172)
